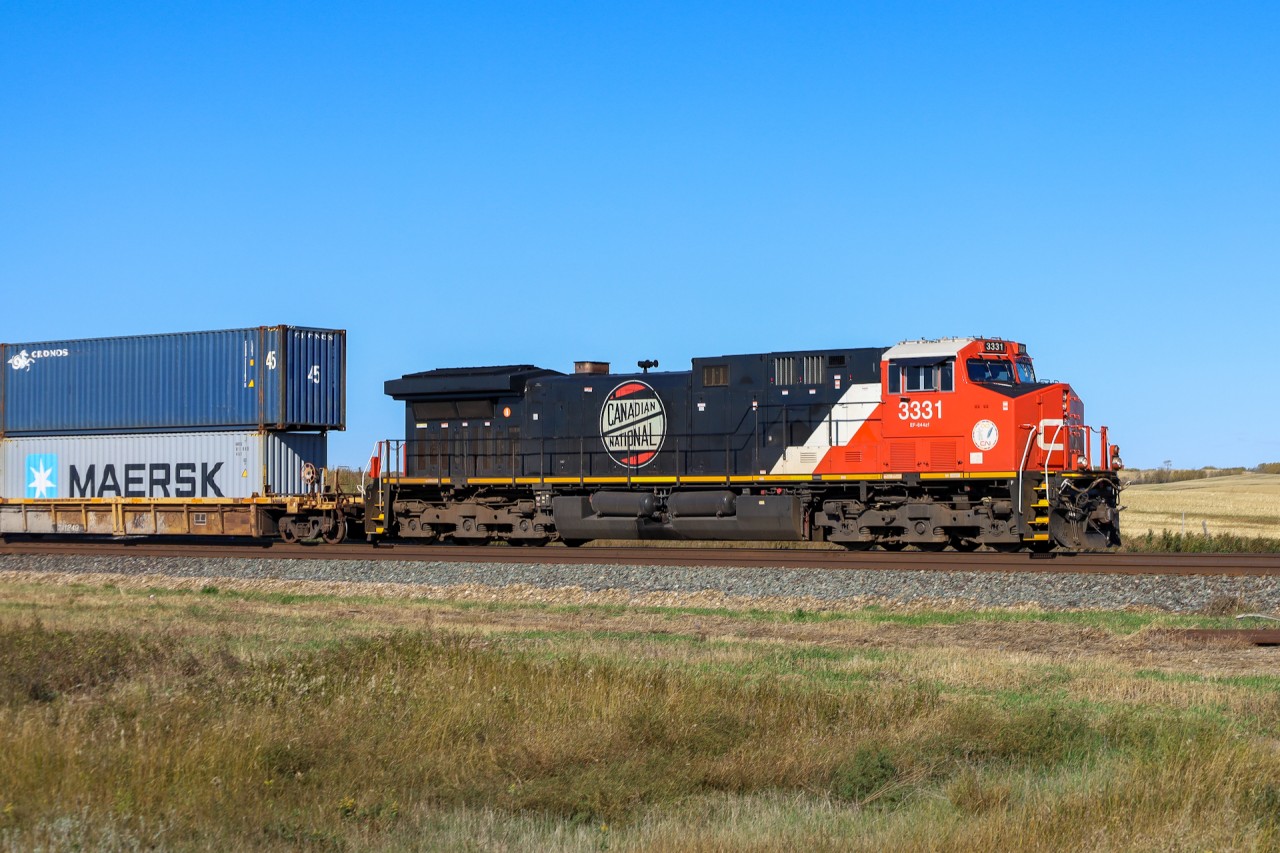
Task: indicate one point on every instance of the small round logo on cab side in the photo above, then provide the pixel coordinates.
(985, 434)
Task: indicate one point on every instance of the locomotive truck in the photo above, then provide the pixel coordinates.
(928, 443)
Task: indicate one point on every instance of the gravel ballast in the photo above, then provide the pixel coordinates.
(835, 589)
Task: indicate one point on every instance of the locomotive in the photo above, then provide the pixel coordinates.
(928, 443)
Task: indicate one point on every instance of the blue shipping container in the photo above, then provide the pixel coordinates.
(268, 377)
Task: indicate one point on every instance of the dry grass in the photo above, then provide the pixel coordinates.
(206, 717)
(1242, 504)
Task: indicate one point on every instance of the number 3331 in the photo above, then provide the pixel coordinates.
(919, 410)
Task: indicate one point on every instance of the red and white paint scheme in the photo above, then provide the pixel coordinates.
(952, 406)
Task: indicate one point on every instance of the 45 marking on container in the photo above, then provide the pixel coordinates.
(313, 374)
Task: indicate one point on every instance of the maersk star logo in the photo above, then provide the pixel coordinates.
(42, 475)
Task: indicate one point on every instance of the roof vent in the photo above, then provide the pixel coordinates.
(593, 367)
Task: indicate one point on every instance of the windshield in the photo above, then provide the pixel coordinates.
(1026, 373)
(990, 370)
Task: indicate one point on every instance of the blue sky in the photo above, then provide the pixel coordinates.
(461, 184)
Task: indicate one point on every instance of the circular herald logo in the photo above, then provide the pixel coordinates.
(633, 424)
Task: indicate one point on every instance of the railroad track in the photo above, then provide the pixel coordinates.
(796, 558)
(1249, 636)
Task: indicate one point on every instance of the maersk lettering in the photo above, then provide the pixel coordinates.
(185, 481)
(158, 480)
(110, 483)
(82, 489)
(209, 485)
(152, 480)
(132, 477)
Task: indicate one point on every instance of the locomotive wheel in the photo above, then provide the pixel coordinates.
(893, 546)
(336, 533)
(857, 546)
(287, 534)
(965, 544)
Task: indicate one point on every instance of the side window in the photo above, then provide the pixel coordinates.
(934, 376)
(919, 377)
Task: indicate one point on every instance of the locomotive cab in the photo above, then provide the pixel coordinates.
(983, 397)
(973, 409)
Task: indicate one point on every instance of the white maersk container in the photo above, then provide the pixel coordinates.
(164, 465)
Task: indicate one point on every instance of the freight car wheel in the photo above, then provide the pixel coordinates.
(287, 534)
(965, 545)
(893, 546)
(336, 532)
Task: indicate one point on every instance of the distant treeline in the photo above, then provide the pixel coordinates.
(1177, 475)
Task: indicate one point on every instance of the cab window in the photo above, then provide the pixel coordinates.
(1026, 373)
(918, 377)
(990, 370)
(906, 378)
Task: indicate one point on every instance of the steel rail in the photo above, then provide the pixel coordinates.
(1251, 636)
(795, 558)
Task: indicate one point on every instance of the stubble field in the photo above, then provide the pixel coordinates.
(1240, 505)
(144, 712)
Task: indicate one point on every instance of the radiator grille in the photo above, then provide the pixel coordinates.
(942, 454)
(902, 455)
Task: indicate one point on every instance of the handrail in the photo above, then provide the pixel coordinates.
(1022, 466)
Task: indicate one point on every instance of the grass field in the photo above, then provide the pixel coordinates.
(217, 715)
(1241, 504)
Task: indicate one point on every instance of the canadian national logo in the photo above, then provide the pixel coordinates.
(633, 424)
